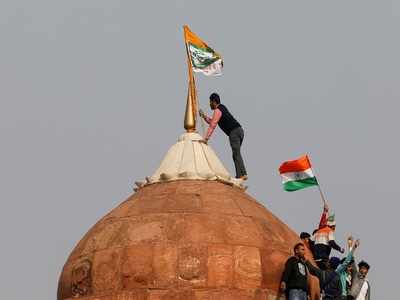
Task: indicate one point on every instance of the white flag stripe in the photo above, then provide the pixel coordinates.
(215, 69)
(293, 176)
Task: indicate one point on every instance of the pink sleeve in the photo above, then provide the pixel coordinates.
(213, 123)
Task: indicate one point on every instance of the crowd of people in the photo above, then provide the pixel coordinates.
(339, 278)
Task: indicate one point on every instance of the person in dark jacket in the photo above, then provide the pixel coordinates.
(294, 277)
(230, 127)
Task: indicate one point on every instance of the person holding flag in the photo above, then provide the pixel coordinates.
(203, 59)
(230, 127)
(297, 174)
(324, 242)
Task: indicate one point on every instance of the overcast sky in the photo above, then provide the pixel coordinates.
(93, 95)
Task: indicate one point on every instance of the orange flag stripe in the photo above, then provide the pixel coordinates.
(298, 165)
(192, 38)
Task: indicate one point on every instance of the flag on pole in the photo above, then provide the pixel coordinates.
(202, 57)
(297, 174)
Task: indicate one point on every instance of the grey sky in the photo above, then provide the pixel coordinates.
(93, 94)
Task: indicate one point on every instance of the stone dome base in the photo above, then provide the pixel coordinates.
(217, 294)
(181, 240)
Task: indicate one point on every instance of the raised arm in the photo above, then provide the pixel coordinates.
(342, 267)
(324, 217)
(333, 244)
(213, 123)
(354, 268)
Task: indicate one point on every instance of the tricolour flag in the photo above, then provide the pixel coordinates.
(203, 58)
(297, 174)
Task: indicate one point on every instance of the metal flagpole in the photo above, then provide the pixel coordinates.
(322, 195)
(319, 188)
(320, 192)
(192, 83)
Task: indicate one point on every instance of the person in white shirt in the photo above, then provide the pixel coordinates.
(360, 287)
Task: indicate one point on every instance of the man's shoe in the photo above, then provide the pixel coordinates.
(244, 177)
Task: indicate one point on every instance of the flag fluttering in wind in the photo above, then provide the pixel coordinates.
(297, 174)
(203, 58)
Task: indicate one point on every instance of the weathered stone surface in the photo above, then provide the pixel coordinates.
(204, 228)
(247, 267)
(175, 228)
(106, 270)
(137, 267)
(224, 294)
(146, 228)
(220, 266)
(150, 205)
(212, 202)
(181, 240)
(272, 264)
(242, 230)
(192, 265)
(81, 278)
(165, 262)
(183, 202)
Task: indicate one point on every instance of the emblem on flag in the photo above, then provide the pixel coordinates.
(203, 59)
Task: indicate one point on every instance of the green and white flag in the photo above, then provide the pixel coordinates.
(202, 57)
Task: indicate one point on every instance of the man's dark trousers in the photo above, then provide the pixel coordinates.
(236, 139)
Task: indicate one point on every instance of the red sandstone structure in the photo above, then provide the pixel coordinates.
(189, 232)
(181, 240)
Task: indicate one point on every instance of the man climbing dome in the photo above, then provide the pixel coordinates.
(230, 127)
(324, 241)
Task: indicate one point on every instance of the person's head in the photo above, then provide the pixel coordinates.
(363, 268)
(334, 262)
(299, 250)
(349, 268)
(305, 236)
(324, 264)
(214, 101)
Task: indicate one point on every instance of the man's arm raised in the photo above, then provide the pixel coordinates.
(324, 217)
(213, 123)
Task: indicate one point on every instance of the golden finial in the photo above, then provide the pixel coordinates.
(190, 117)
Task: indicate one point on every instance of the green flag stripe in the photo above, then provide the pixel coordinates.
(202, 57)
(295, 185)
